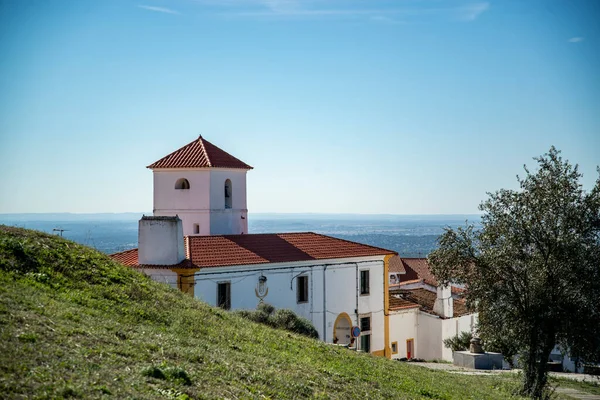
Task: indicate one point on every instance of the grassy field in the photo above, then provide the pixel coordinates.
(75, 324)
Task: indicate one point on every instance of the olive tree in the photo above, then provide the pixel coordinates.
(532, 270)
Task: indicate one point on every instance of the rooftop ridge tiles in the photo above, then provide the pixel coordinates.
(201, 141)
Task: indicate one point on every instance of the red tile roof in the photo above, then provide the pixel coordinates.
(418, 268)
(396, 266)
(425, 300)
(199, 153)
(397, 303)
(226, 250)
(127, 257)
(130, 258)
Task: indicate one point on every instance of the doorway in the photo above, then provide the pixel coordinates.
(410, 348)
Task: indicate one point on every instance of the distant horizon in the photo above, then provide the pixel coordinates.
(382, 107)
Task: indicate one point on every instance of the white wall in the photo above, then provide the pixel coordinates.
(429, 337)
(428, 332)
(160, 241)
(228, 221)
(341, 291)
(403, 326)
(162, 275)
(452, 327)
(204, 202)
(191, 205)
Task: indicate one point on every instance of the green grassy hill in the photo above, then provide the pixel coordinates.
(73, 323)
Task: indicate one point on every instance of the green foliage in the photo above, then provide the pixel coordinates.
(280, 319)
(103, 329)
(532, 271)
(459, 342)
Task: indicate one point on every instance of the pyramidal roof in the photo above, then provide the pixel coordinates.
(199, 153)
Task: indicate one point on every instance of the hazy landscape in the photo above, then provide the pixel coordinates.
(409, 235)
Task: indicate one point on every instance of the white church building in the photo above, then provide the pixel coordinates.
(197, 241)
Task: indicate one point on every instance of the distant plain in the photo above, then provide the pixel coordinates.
(409, 235)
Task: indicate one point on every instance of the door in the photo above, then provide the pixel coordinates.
(410, 348)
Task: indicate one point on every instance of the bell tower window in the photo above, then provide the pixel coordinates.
(228, 194)
(182, 183)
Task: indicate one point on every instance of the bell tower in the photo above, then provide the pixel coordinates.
(203, 185)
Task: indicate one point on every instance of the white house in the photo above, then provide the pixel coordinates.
(423, 313)
(198, 241)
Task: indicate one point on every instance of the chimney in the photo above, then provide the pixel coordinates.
(160, 241)
(444, 304)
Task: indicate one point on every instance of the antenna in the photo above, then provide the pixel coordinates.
(59, 230)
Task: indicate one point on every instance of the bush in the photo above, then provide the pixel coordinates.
(459, 342)
(280, 319)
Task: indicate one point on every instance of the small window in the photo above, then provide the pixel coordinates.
(302, 289)
(196, 229)
(365, 334)
(365, 343)
(182, 184)
(365, 324)
(364, 282)
(394, 347)
(228, 194)
(224, 295)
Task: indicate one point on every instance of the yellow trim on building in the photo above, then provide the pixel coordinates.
(394, 344)
(386, 306)
(186, 279)
(378, 353)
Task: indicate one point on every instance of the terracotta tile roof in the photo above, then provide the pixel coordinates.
(396, 265)
(226, 250)
(397, 303)
(212, 251)
(199, 153)
(130, 259)
(127, 257)
(418, 268)
(425, 299)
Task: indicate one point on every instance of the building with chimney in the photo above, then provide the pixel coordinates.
(197, 240)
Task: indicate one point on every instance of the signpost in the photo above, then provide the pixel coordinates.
(355, 331)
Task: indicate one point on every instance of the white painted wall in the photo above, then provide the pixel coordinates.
(341, 291)
(160, 241)
(453, 326)
(204, 202)
(228, 221)
(162, 275)
(428, 332)
(403, 326)
(429, 337)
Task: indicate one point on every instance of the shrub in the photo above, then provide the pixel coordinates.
(459, 342)
(280, 319)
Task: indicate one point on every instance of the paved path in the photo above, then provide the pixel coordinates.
(573, 393)
(576, 394)
(467, 371)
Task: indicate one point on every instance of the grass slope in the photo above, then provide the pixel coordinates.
(73, 323)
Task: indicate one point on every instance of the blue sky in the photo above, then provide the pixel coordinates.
(403, 107)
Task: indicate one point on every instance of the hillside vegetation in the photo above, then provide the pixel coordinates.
(73, 323)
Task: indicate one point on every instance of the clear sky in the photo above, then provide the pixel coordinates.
(364, 106)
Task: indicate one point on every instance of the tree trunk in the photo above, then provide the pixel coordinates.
(535, 368)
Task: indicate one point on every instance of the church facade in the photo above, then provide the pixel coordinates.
(197, 240)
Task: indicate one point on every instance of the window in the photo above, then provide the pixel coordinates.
(302, 289)
(196, 229)
(365, 324)
(394, 347)
(182, 184)
(228, 194)
(224, 295)
(365, 333)
(364, 281)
